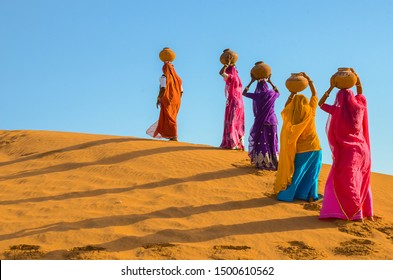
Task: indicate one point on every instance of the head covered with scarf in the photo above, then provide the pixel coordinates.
(348, 135)
(173, 81)
(296, 117)
(232, 82)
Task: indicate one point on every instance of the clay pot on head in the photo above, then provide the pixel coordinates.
(260, 71)
(296, 82)
(226, 54)
(344, 78)
(167, 55)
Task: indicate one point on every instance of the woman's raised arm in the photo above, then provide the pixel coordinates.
(271, 83)
(311, 84)
(359, 89)
(248, 86)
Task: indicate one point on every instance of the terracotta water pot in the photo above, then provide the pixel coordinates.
(260, 70)
(344, 78)
(296, 82)
(167, 55)
(226, 54)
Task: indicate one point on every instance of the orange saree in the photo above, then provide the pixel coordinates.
(166, 126)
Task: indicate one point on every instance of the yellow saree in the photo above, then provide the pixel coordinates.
(298, 121)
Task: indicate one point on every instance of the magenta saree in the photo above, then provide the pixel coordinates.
(233, 135)
(347, 191)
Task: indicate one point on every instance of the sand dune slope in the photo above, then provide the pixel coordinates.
(81, 196)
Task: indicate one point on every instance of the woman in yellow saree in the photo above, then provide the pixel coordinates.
(300, 151)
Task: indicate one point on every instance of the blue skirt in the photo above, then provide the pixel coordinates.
(305, 178)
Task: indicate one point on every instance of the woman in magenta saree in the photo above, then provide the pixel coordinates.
(233, 136)
(347, 191)
(263, 139)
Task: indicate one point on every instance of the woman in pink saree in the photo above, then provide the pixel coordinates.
(347, 191)
(233, 136)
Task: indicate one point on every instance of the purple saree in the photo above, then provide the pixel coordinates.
(263, 141)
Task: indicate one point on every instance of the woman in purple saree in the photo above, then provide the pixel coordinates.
(263, 141)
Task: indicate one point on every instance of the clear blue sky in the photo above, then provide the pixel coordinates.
(92, 65)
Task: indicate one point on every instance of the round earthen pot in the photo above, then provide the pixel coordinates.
(260, 71)
(167, 55)
(296, 82)
(226, 54)
(344, 78)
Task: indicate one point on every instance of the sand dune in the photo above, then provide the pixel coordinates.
(81, 196)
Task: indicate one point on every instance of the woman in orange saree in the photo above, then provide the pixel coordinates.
(169, 99)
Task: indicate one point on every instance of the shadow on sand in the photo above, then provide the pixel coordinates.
(105, 161)
(125, 220)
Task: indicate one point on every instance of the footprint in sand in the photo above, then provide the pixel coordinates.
(270, 195)
(379, 225)
(312, 206)
(23, 252)
(86, 253)
(355, 247)
(245, 164)
(359, 229)
(158, 251)
(365, 228)
(298, 250)
(386, 229)
(230, 252)
(10, 137)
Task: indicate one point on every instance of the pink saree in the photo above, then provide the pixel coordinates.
(347, 191)
(233, 135)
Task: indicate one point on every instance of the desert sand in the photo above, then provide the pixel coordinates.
(82, 196)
